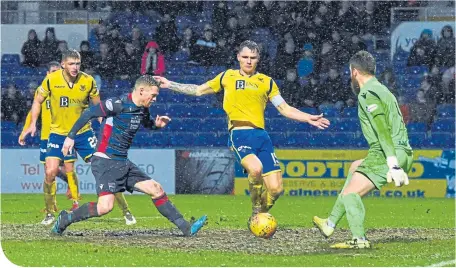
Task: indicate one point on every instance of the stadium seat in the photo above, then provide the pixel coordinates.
(443, 125)
(213, 124)
(279, 139)
(8, 125)
(159, 139)
(349, 112)
(445, 111)
(329, 111)
(215, 70)
(343, 140)
(441, 140)
(181, 110)
(416, 70)
(350, 125)
(11, 59)
(297, 139)
(205, 139)
(416, 127)
(182, 139)
(319, 139)
(185, 125)
(417, 139)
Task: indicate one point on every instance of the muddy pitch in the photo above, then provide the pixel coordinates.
(285, 242)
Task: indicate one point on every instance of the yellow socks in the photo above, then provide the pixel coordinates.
(73, 184)
(49, 196)
(255, 189)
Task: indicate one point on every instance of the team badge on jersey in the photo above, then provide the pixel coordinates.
(372, 108)
(82, 88)
(240, 84)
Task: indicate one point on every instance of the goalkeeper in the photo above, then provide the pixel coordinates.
(389, 157)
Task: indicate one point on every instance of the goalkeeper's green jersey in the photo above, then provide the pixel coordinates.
(374, 99)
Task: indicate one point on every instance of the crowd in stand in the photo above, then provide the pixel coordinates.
(314, 42)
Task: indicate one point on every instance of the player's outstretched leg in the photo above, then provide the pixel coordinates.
(327, 226)
(354, 207)
(86, 211)
(123, 205)
(167, 208)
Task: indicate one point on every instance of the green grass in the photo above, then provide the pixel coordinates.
(404, 232)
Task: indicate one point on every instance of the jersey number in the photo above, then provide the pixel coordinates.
(274, 159)
(92, 141)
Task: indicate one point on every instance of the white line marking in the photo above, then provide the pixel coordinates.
(443, 263)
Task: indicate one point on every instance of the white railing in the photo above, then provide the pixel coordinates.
(52, 16)
(400, 14)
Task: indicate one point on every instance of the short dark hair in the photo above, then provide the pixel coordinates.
(53, 64)
(364, 62)
(147, 80)
(70, 53)
(250, 45)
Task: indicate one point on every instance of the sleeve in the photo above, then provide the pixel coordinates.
(107, 108)
(94, 89)
(148, 122)
(373, 106)
(45, 88)
(274, 93)
(216, 83)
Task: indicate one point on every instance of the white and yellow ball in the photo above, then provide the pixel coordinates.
(263, 225)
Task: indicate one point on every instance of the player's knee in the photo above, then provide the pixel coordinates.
(256, 171)
(104, 207)
(154, 189)
(51, 172)
(276, 190)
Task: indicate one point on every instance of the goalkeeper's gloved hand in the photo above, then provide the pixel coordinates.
(396, 173)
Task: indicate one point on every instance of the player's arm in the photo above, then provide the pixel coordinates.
(27, 122)
(293, 113)
(159, 122)
(210, 87)
(43, 92)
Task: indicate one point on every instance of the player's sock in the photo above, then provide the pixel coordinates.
(83, 212)
(62, 176)
(338, 210)
(73, 185)
(255, 189)
(268, 200)
(123, 205)
(49, 196)
(169, 211)
(355, 214)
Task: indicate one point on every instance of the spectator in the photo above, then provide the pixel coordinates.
(153, 61)
(87, 58)
(30, 94)
(345, 17)
(105, 64)
(388, 79)
(291, 89)
(340, 47)
(264, 65)
(129, 63)
(63, 46)
(223, 55)
(307, 61)
(13, 108)
(334, 90)
(49, 46)
(356, 45)
(233, 34)
(137, 40)
(328, 58)
(422, 109)
(446, 48)
(98, 35)
(432, 89)
(188, 41)
(368, 25)
(220, 17)
(31, 50)
(205, 48)
(287, 58)
(114, 39)
(423, 51)
(312, 95)
(166, 35)
(261, 16)
(448, 78)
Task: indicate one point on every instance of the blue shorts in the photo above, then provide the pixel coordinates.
(254, 141)
(43, 150)
(84, 144)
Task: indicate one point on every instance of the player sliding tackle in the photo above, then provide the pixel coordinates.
(246, 93)
(112, 169)
(389, 158)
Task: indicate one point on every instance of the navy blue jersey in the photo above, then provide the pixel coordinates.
(123, 119)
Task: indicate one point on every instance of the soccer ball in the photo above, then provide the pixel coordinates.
(263, 225)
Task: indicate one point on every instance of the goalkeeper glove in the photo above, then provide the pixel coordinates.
(396, 173)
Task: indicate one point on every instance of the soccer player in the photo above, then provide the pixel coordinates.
(246, 93)
(67, 93)
(389, 158)
(112, 169)
(49, 194)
